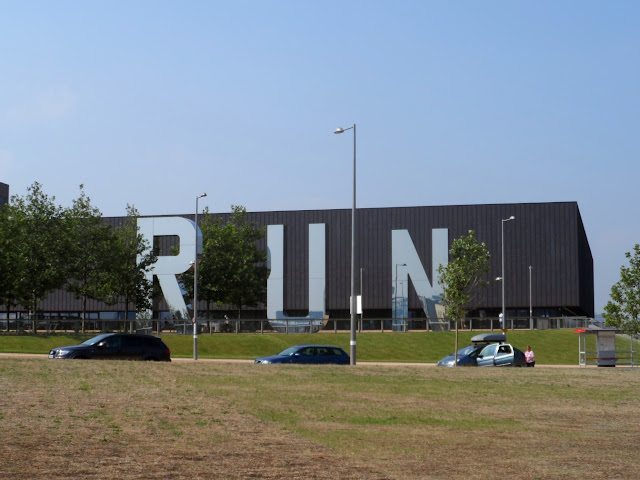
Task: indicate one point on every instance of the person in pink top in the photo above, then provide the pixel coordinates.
(529, 357)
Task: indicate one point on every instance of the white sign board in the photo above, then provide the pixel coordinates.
(358, 305)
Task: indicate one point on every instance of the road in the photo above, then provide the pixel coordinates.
(230, 360)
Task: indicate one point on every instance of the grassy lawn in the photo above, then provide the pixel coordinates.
(201, 420)
(558, 347)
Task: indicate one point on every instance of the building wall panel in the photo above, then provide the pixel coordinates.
(548, 236)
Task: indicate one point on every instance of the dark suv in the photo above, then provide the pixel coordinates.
(122, 346)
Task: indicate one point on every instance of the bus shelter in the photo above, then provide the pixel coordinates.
(607, 347)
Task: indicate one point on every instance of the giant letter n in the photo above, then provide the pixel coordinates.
(406, 262)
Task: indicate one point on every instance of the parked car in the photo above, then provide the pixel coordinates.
(308, 354)
(500, 355)
(467, 356)
(112, 346)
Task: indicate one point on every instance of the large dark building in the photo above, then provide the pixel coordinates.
(548, 237)
(4, 193)
(547, 262)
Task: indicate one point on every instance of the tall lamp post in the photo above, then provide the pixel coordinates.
(195, 288)
(504, 316)
(404, 319)
(352, 350)
(530, 301)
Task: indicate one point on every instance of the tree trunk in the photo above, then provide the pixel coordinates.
(455, 355)
(126, 316)
(34, 315)
(84, 312)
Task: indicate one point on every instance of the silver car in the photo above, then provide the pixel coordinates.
(500, 355)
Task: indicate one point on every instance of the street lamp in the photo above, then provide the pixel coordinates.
(395, 296)
(352, 350)
(195, 288)
(504, 316)
(530, 301)
(404, 320)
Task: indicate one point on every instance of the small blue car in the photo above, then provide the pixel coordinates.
(500, 355)
(468, 356)
(308, 354)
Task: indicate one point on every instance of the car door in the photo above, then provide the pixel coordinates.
(132, 347)
(323, 355)
(305, 355)
(518, 358)
(487, 355)
(109, 348)
(504, 356)
(338, 356)
(331, 355)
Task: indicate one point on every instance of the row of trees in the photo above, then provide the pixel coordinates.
(45, 247)
(623, 310)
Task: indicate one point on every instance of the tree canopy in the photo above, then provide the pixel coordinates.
(90, 248)
(11, 260)
(132, 262)
(463, 277)
(232, 270)
(624, 307)
(45, 247)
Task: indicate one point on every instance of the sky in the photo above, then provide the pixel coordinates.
(151, 103)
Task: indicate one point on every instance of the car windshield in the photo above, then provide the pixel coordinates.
(289, 351)
(95, 340)
(468, 350)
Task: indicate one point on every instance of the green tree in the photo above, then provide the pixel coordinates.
(462, 278)
(624, 307)
(91, 243)
(11, 262)
(232, 270)
(131, 263)
(43, 248)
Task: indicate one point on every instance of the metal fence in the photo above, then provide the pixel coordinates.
(78, 326)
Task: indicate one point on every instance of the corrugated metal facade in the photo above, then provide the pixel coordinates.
(550, 237)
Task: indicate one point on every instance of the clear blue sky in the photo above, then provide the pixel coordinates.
(153, 102)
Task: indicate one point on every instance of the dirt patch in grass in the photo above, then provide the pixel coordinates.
(121, 420)
(130, 420)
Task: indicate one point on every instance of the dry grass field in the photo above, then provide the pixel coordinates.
(215, 420)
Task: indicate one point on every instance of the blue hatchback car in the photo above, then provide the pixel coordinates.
(308, 354)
